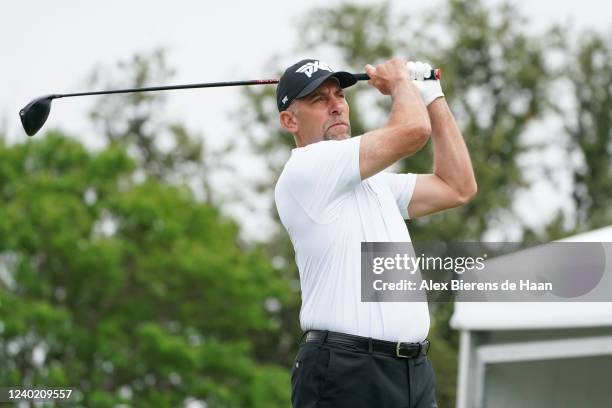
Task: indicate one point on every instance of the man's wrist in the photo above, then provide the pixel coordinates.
(399, 86)
(404, 87)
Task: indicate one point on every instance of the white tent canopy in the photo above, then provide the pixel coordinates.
(526, 353)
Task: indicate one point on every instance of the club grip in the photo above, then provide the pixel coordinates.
(435, 74)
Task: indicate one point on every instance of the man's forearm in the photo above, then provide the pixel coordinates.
(451, 158)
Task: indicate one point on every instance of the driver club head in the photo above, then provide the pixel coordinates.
(35, 113)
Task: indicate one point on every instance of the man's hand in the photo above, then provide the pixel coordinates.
(430, 90)
(386, 77)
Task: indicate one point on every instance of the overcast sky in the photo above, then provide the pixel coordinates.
(52, 46)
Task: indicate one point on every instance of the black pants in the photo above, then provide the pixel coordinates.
(331, 375)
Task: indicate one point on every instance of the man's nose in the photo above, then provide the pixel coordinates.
(337, 105)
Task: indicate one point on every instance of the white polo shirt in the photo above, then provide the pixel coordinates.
(328, 211)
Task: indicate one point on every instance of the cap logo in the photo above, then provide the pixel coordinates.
(312, 67)
(285, 99)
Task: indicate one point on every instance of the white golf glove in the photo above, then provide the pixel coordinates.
(430, 90)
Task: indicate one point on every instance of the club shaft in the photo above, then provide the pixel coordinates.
(171, 87)
(435, 74)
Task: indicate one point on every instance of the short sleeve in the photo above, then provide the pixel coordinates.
(321, 175)
(402, 188)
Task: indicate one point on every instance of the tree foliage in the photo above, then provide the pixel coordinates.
(130, 291)
(589, 125)
(161, 148)
(116, 280)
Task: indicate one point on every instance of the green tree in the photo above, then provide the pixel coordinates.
(495, 81)
(588, 123)
(581, 99)
(132, 289)
(129, 290)
(161, 147)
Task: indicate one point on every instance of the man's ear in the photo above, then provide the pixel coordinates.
(288, 121)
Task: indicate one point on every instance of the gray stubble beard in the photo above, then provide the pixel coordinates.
(347, 134)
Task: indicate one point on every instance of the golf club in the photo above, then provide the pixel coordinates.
(34, 115)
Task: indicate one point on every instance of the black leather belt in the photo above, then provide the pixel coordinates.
(399, 349)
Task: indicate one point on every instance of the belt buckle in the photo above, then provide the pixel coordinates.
(397, 350)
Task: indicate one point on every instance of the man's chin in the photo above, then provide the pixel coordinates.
(337, 135)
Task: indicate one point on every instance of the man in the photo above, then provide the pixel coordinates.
(334, 194)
